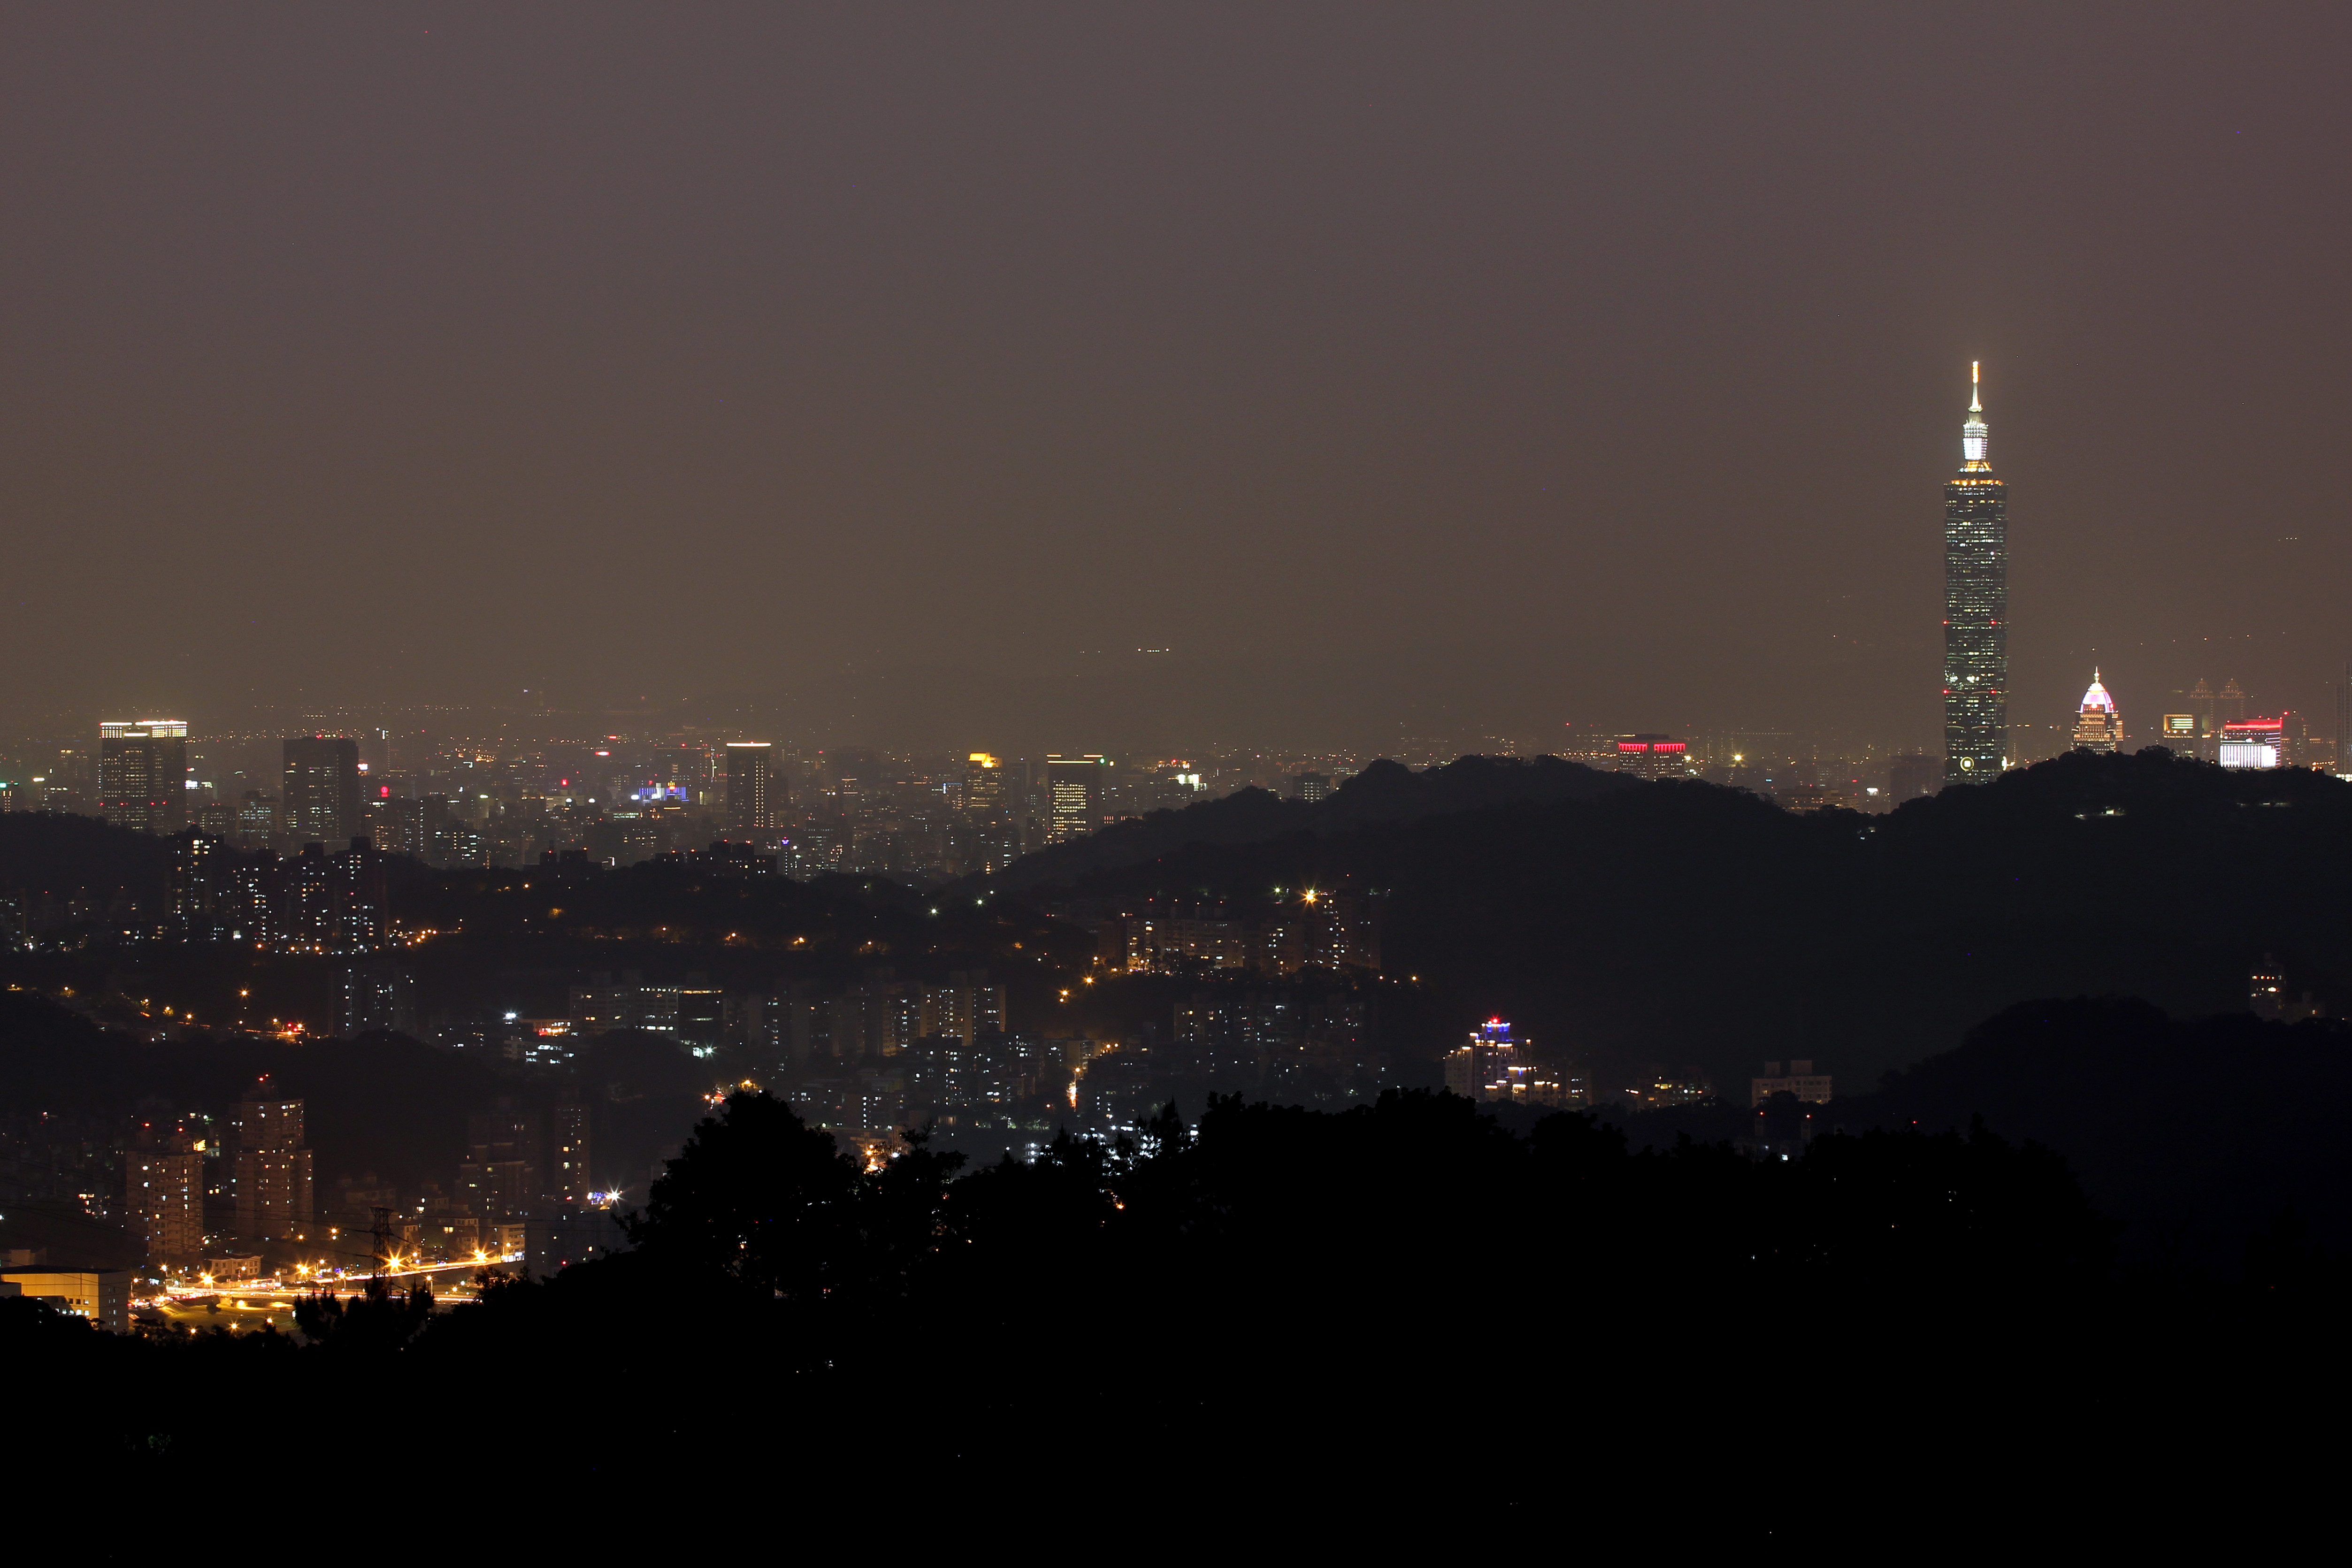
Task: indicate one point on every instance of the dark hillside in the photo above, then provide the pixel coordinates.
(61, 855)
(1384, 792)
(380, 1103)
(1680, 923)
(2198, 1134)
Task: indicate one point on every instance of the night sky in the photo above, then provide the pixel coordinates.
(1397, 368)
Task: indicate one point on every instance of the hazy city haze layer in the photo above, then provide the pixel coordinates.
(1540, 365)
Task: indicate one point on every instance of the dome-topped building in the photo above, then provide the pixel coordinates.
(2099, 727)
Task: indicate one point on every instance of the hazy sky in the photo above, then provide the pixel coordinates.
(1536, 363)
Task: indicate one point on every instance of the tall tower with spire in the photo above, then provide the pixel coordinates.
(1976, 609)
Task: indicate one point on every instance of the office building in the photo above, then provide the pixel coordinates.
(754, 797)
(271, 1171)
(1311, 787)
(1653, 756)
(2254, 743)
(1800, 1080)
(257, 819)
(396, 824)
(143, 774)
(1975, 608)
(163, 1199)
(987, 785)
(2098, 726)
(1075, 786)
(321, 798)
(2177, 733)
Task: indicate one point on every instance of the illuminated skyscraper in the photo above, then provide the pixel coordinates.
(143, 774)
(986, 789)
(753, 792)
(322, 788)
(1976, 609)
(1076, 805)
(2099, 728)
(1483, 1069)
(1653, 756)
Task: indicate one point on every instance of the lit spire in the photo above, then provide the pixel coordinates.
(1972, 433)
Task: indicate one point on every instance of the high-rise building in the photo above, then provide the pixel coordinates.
(257, 819)
(322, 788)
(378, 995)
(163, 1195)
(272, 1171)
(1311, 787)
(1653, 756)
(199, 877)
(1483, 1068)
(2266, 989)
(2099, 728)
(567, 1172)
(143, 774)
(1976, 609)
(987, 788)
(967, 1007)
(2230, 707)
(1076, 785)
(499, 1178)
(753, 795)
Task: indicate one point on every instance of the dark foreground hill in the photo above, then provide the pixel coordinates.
(1400, 1318)
(2203, 1136)
(2207, 1140)
(1680, 923)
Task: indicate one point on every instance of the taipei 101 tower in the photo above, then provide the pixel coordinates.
(1976, 611)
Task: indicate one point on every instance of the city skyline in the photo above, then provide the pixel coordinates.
(1424, 383)
(807, 732)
